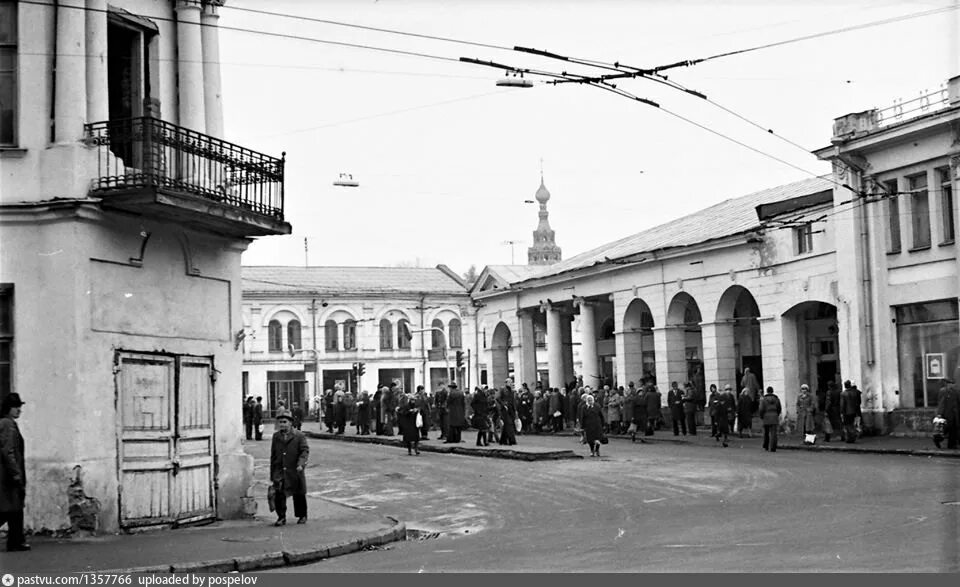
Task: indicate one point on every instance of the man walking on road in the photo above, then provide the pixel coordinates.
(770, 409)
(288, 459)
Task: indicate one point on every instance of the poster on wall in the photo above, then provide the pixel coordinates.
(933, 366)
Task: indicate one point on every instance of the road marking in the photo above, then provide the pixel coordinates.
(654, 500)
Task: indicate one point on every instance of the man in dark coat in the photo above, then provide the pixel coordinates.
(258, 418)
(507, 408)
(328, 410)
(948, 408)
(297, 413)
(769, 411)
(690, 404)
(288, 459)
(653, 399)
(363, 413)
(750, 381)
(592, 421)
(640, 416)
(850, 410)
(423, 408)
(13, 473)
(525, 409)
(440, 403)
(457, 412)
(556, 414)
(675, 403)
(478, 403)
(375, 411)
(248, 417)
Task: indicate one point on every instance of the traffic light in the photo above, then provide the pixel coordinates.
(362, 368)
(459, 359)
(356, 369)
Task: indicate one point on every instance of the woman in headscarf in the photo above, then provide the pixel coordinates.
(407, 422)
(592, 422)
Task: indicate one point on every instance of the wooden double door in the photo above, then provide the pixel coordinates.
(166, 438)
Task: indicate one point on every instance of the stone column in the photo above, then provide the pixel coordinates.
(97, 97)
(190, 66)
(668, 343)
(212, 99)
(526, 368)
(555, 345)
(70, 105)
(719, 359)
(773, 345)
(590, 369)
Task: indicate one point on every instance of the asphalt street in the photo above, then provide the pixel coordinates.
(655, 507)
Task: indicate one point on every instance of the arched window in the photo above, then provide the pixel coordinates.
(293, 334)
(386, 335)
(454, 330)
(403, 334)
(350, 335)
(330, 335)
(436, 336)
(275, 336)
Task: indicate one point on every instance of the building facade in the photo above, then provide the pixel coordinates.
(307, 328)
(852, 276)
(123, 215)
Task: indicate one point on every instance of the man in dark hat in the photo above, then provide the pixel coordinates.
(288, 459)
(457, 414)
(13, 473)
(850, 410)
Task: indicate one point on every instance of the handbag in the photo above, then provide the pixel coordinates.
(260, 428)
(419, 420)
(517, 423)
(271, 496)
(604, 439)
(827, 426)
(632, 428)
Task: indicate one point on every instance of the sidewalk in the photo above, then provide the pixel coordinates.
(529, 450)
(224, 546)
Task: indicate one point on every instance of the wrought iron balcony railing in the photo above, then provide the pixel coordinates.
(148, 153)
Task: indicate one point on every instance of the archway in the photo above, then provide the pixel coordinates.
(738, 336)
(811, 350)
(685, 342)
(500, 353)
(640, 359)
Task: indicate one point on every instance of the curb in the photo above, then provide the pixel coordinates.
(495, 453)
(879, 451)
(272, 560)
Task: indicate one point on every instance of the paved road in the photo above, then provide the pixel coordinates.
(657, 508)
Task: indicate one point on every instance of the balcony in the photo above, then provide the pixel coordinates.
(153, 168)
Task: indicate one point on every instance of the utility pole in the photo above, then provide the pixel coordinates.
(511, 243)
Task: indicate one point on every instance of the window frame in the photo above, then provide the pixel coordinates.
(274, 336)
(295, 337)
(437, 338)
(349, 334)
(386, 335)
(455, 333)
(331, 336)
(7, 337)
(803, 238)
(919, 194)
(403, 343)
(894, 232)
(948, 224)
(13, 47)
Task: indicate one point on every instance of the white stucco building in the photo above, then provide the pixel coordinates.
(123, 214)
(404, 324)
(851, 276)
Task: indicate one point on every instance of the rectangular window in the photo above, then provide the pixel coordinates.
(349, 335)
(8, 73)
(6, 340)
(946, 205)
(920, 210)
(928, 347)
(804, 237)
(893, 216)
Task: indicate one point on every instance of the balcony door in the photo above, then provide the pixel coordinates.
(128, 81)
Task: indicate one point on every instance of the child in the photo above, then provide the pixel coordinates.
(939, 424)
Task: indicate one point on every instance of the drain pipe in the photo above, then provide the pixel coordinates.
(866, 281)
(53, 73)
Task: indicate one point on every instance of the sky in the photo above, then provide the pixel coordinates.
(445, 158)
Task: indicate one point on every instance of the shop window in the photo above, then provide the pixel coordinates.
(919, 210)
(293, 334)
(330, 336)
(803, 235)
(436, 337)
(8, 73)
(928, 348)
(6, 340)
(275, 336)
(946, 205)
(455, 334)
(403, 334)
(350, 335)
(386, 335)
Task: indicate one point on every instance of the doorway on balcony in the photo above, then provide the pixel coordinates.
(130, 49)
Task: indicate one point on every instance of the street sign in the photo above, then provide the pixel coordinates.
(435, 355)
(310, 368)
